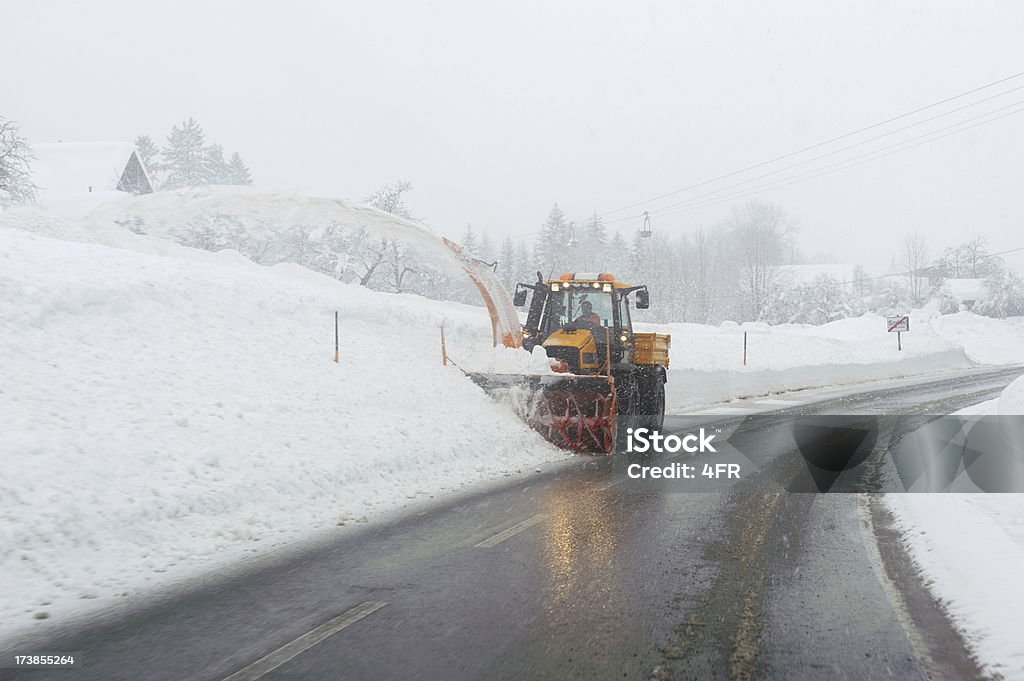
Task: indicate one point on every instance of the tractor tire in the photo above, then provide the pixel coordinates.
(627, 393)
(652, 401)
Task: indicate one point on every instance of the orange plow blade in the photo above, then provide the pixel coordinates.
(571, 412)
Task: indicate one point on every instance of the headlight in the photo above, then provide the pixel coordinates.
(555, 287)
(596, 285)
(623, 338)
(607, 288)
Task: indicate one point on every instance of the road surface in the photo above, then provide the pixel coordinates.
(579, 574)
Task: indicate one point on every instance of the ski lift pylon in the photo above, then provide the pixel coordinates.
(573, 241)
(645, 231)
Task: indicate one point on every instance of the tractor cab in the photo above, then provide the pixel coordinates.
(581, 319)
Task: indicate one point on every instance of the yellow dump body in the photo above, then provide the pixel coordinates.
(652, 348)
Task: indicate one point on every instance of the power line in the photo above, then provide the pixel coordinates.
(685, 205)
(666, 209)
(817, 145)
(697, 202)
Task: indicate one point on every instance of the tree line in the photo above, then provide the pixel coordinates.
(738, 269)
(186, 160)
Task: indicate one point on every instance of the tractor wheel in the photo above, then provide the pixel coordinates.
(652, 401)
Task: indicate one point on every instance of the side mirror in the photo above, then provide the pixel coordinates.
(520, 298)
(643, 299)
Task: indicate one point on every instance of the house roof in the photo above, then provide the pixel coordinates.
(75, 176)
(966, 289)
(68, 168)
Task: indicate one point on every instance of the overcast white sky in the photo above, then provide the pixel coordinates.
(496, 111)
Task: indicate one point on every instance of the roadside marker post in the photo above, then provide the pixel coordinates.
(444, 350)
(744, 348)
(336, 346)
(899, 325)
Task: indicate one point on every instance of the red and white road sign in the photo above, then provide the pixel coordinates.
(898, 324)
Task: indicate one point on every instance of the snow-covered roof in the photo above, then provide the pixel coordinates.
(68, 168)
(74, 177)
(966, 289)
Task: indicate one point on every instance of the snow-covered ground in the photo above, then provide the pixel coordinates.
(707, 362)
(167, 414)
(970, 549)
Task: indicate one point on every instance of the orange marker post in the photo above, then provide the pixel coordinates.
(444, 351)
(336, 346)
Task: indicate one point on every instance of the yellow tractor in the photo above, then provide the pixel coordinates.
(607, 377)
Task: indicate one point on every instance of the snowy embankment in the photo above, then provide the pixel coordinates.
(167, 411)
(970, 550)
(707, 362)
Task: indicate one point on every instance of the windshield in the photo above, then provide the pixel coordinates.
(581, 306)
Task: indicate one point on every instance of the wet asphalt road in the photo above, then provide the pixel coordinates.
(578, 574)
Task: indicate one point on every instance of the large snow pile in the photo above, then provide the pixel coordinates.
(970, 548)
(985, 340)
(1011, 401)
(165, 415)
(707, 362)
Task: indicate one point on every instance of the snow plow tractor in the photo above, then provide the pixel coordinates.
(605, 376)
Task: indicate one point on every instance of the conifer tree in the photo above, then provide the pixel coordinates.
(185, 158)
(238, 172)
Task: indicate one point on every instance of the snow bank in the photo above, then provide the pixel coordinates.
(985, 340)
(1011, 400)
(167, 415)
(707, 362)
(970, 549)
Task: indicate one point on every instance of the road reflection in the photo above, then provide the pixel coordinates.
(592, 559)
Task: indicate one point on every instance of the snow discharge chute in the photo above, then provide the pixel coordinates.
(504, 320)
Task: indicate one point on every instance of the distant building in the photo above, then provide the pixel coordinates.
(966, 291)
(75, 177)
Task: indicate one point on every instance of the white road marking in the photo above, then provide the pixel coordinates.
(892, 592)
(267, 664)
(511, 532)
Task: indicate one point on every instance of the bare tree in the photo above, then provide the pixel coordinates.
(914, 259)
(16, 158)
(761, 232)
(400, 265)
(370, 253)
(389, 198)
(701, 272)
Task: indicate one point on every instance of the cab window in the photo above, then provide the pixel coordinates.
(627, 323)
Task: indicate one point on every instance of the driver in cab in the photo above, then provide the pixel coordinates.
(587, 316)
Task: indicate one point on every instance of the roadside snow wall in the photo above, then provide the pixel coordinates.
(164, 415)
(707, 362)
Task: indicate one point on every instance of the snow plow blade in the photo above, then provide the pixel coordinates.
(572, 412)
